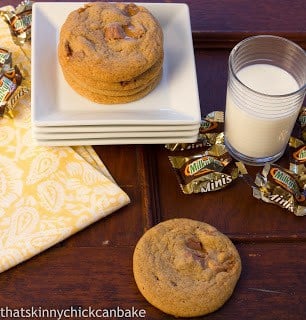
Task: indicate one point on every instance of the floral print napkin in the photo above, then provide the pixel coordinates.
(46, 193)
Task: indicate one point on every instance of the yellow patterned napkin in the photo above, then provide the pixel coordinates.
(46, 193)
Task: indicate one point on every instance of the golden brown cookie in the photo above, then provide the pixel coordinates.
(140, 81)
(186, 268)
(114, 93)
(111, 42)
(99, 97)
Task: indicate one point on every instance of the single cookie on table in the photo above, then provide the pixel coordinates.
(186, 268)
(111, 42)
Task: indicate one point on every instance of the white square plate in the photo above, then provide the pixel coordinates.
(113, 141)
(174, 102)
(127, 134)
(111, 128)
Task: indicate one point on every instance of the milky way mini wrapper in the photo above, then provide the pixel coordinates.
(19, 21)
(302, 123)
(282, 187)
(9, 82)
(10, 90)
(297, 156)
(5, 60)
(210, 127)
(207, 171)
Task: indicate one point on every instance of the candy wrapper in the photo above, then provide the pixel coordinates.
(282, 187)
(206, 171)
(297, 146)
(10, 84)
(211, 126)
(302, 123)
(297, 156)
(19, 21)
(5, 60)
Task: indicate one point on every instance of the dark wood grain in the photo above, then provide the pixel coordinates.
(94, 267)
(223, 23)
(268, 288)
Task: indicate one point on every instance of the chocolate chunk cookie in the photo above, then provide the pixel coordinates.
(111, 47)
(141, 80)
(186, 268)
(107, 97)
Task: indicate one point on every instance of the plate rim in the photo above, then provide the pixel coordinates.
(114, 141)
(48, 121)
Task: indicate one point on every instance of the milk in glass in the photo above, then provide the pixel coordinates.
(254, 131)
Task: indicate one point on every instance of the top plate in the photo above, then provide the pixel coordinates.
(175, 101)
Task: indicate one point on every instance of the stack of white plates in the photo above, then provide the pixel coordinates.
(169, 114)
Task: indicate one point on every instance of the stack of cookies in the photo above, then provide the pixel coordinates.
(111, 52)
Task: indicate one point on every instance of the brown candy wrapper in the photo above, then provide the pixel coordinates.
(211, 126)
(297, 156)
(5, 59)
(282, 187)
(19, 21)
(302, 123)
(10, 84)
(18, 94)
(297, 146)
(9, 81)
(207, 171)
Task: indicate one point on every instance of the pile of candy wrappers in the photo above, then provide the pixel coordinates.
(206, 166)
(13, 82)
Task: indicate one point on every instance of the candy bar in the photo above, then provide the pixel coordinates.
(206, 171)
(282, 187)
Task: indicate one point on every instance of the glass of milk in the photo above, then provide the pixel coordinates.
(265, 91)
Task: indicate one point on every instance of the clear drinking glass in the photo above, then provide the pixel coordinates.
(265, 91)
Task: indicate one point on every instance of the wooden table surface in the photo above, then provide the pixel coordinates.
(94, 267)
